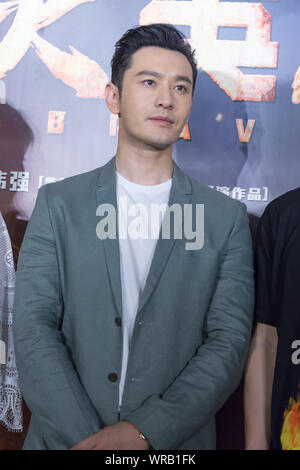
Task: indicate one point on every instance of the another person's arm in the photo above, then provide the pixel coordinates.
(262, 354)
(258, 387)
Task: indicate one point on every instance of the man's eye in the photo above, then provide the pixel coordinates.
(149, 82)
(181, 88)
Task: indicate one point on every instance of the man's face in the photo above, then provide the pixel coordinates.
(156, 98)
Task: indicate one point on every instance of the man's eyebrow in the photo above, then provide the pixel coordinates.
(182, 78)
(149, 72)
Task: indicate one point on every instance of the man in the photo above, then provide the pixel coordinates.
(127, 342)
(272, 380)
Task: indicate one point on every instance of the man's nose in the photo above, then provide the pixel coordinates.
(164, 98)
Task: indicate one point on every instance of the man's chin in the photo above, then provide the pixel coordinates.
(160, 144)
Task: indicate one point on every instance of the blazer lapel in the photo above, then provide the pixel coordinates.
(180, 193)
(106, 194)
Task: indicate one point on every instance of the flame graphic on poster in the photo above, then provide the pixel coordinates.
(290, 433)
(76, 70)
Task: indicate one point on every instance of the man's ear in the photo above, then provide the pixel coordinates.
(112, 98)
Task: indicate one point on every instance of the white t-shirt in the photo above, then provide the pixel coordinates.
(138, 234)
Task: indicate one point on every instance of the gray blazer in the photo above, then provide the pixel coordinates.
(191, 333)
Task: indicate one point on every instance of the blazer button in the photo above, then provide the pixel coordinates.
(118, 321)
(112, 377)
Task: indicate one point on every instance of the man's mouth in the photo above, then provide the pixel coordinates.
(162, 121)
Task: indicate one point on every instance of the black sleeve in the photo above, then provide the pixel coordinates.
(265, 311)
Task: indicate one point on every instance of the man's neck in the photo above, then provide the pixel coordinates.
(145, 167)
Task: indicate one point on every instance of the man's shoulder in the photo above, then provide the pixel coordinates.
(72, 185)
(280, 220)
(221, 212)
(283, 208)
(213, 198)
(285, 201)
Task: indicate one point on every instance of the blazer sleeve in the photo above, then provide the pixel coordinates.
(49, 381)
(209, 378)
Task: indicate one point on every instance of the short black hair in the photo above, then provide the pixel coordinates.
(156, 34)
